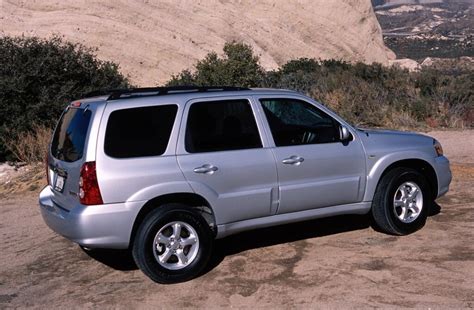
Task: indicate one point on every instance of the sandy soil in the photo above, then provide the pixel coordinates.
(335, 262)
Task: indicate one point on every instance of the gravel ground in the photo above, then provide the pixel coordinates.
(458, 145)
(335, 262)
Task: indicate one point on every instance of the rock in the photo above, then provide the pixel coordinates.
(175, 34)
(427, 62)
(406, 63)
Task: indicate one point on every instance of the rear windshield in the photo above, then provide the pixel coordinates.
(70, 135)
(139, 132)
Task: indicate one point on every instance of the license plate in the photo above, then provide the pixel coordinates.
(59, 185)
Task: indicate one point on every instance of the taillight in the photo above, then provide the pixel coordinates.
(46, 163)
(89, 192)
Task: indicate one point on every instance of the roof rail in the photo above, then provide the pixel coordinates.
(101, 92)
(115, 94)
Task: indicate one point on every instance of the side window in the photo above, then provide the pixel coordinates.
(139, 132)
(220, 126)
(296, 122)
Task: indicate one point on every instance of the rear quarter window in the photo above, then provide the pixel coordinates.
(70, 135)
(139, 132)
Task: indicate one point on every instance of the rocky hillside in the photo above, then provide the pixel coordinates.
(427, 28)
(152, 39)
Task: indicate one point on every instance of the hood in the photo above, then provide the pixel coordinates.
(381, 140)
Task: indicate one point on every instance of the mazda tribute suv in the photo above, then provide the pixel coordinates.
(166, 171)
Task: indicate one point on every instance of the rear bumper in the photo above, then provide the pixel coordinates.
(100, 226)
(443, 173)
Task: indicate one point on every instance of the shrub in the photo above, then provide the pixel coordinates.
(366, 95)
(238, 67)
(29, 146)
(38, 77)
(305, 65)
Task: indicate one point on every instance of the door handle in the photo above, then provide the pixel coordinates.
(293, 160)
(207, 169)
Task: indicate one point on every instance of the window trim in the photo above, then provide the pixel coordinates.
(332, 115)
(181, 143)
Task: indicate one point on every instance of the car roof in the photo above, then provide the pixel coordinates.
(144, 95)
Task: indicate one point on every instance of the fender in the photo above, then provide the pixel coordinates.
(158, 190)
(377, 168)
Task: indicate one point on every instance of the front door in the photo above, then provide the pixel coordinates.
(315, 169)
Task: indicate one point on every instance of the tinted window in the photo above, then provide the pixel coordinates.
(296, 122)
(70, 135)
(220, 126)
(139, 132)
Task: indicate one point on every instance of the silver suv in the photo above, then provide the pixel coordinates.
(165, 171)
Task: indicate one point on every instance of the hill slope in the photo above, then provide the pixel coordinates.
(428, 28)
(152, 40)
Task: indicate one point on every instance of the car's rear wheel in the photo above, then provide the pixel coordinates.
(172, 244)
(401, 202)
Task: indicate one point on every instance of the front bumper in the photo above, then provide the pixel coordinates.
(444, 175)
(99, 226)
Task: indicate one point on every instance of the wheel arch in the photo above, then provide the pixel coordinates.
(191, 200)
(418, 164)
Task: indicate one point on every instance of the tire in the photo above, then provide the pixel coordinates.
(395, 193)
(164, 258)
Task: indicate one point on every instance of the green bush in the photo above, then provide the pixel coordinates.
(238, 67)
(39, 77)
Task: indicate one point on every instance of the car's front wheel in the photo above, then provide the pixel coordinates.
(401, 202)
(173, 244)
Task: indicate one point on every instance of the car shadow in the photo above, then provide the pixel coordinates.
(254, 239)
(281, 234)
(117, 259)
(435, 209)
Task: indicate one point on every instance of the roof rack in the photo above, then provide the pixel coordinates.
(101, 92)
(115, 94)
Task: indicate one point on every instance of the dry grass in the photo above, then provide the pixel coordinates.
(30, 178)
(29, 147)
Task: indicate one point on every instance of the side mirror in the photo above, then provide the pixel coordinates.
(344, 134)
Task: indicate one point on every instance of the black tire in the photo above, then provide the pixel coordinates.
(383, 204)
(143, 245)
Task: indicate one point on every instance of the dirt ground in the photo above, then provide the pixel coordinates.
(339, 262)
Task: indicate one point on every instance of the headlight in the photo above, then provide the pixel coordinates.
(438, 148)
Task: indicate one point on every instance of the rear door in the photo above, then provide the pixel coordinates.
(68, 152)
(224, 157)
